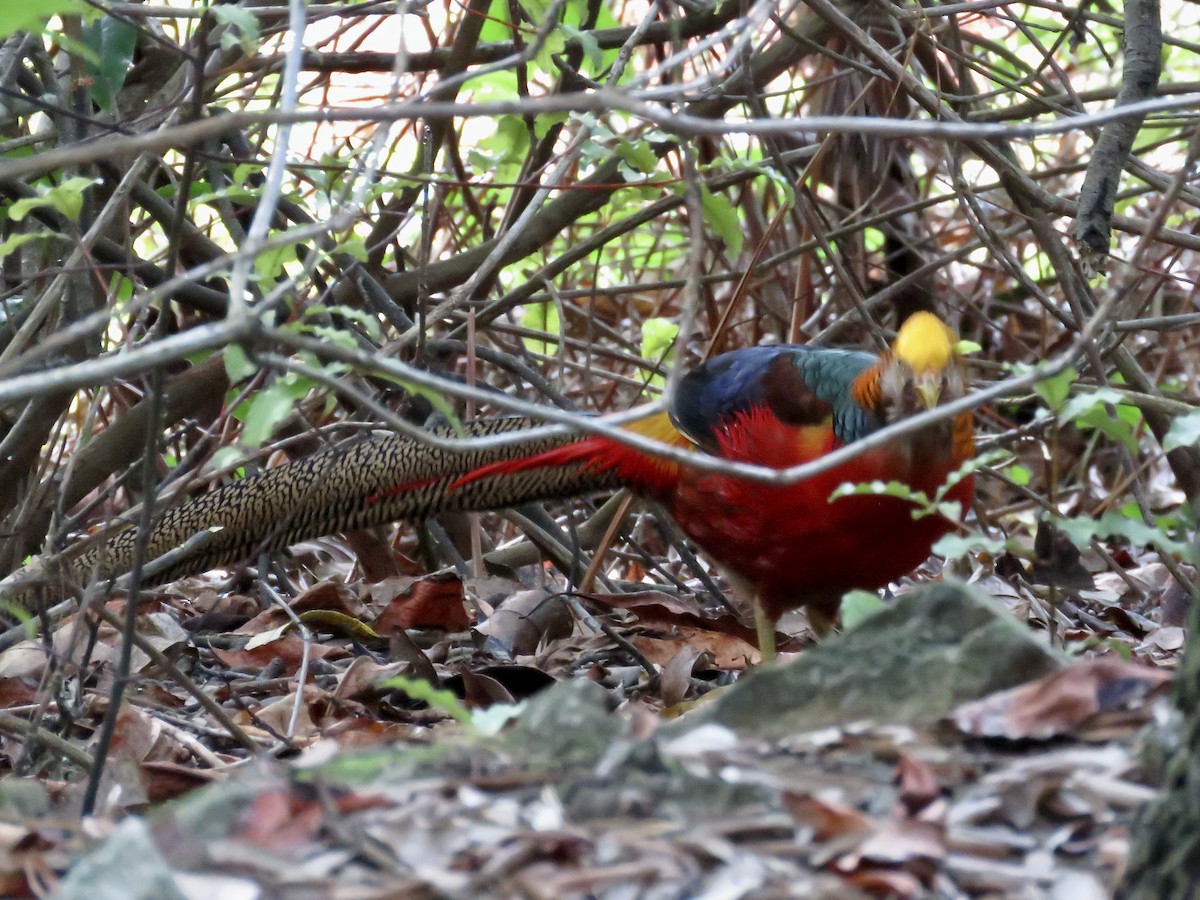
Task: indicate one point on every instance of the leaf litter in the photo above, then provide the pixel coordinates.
(616, 793)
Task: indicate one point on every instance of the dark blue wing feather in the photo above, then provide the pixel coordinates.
(801, 385)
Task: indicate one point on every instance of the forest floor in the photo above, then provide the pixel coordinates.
(486, 739)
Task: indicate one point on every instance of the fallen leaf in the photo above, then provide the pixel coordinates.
(289, 649)
(522, 621)
(918, 784)
(725, 651)
(676, 678)
(432, 602)
(827, 819)
(1061, 702)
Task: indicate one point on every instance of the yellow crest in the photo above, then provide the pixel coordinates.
(924, 343)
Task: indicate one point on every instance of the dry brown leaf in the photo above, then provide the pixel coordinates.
(362, 675)
(726, 651)
(918, 784)
(168, 780)
(278, 715)
(1061, 702)
(676, 678)
(289, 649)
(433, 602)
(329, 596)
(898, 843)
(522, 620)
(890, 883)
(279, 820)
(827, 819)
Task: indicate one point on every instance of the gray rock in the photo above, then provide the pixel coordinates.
(911, 662)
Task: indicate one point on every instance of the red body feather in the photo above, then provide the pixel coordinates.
(790, 544)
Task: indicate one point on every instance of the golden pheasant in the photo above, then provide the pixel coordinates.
(785, 546)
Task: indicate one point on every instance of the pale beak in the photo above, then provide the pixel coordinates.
(929, 389)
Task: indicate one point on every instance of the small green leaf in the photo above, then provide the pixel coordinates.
(588, 43)
(638, 155)
(544, 122)
(242, 30)
(271, 262)
(952, 546)
(353, 246)
(541, 317)
(658, 338)
(555, 43)
(237, 364)
(857, 606)
(720, 214)
(1184, 432)
(1020, 475)
(437, 698)
(965, 348)
(228, 456)
(113, 41)
(268, 408)
(32, 15)
(1115, 525)
(1056, 389)
(1101, 410)
(338, 623)
(882, 489)
(368, 321)
(66, 198)
(19, 240)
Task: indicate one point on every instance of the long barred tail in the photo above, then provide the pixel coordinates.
(342, 489)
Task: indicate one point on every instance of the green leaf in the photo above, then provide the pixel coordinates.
(1055, 389)
(271, 262)
(242, 30)
(228, 456)
(952, 546)
(723, 218)
(638, 155)
(113, 42)
(658, 338)
(237, 364)
(541, 317)
(1019, 475)
(66, 198)
(882, 489)
(1115, 525)
(338, 623)
(1184, 432)
(32, 15)
(121, 288)
(268, 408)
(555, 43)
(19, 240)
(592, 53)
(658, 344)
(544, 122)
(353, 246)
(859, 605)
(496, 26)
(1103, 411)
(368, 321)
(437, 698)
